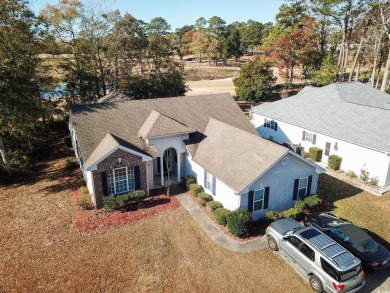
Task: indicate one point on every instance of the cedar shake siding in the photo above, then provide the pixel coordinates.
(105, 165)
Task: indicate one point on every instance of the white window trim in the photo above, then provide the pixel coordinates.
(262, 204)
(307, 182)
(209, 182)
(309, 136)
(127, 178)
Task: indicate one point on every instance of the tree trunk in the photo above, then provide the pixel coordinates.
(377, 48)
(357, 72)
(291, 73)
(4, 157)
(344, 69)
(357, 56)
(386, 74)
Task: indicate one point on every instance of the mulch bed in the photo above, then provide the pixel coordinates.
(98, 220)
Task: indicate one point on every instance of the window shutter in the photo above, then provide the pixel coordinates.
(250, 201)
(205, 179)
(308, 190)
(214, 185)
(104, 182)
(137, 178)
(295, 194)
(266, 198)
(276, 126)
(303, 135)
(314, 138)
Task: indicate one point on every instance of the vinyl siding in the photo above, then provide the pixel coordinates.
(354, 157)
(281, 179)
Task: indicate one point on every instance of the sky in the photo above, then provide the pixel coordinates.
(179, 13)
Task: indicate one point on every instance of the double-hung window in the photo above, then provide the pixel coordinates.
(209, 182)
(271, 124)
(258, 200)
(309, 136)
(302, 187)
(120, 179)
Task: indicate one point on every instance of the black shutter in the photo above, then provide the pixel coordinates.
(303, 135)
(266, 198)
(137, 178)
(250, 201)
(104, 182)
(205, 179)
(295, 194)
(276, 126)
(308, 190)
(314, 138)
(214, 185)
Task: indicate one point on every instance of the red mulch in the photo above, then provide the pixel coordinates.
(98, 220)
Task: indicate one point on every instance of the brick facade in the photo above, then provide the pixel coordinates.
(105, 166)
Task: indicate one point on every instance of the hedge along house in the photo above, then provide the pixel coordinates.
(350, 120)
(137, 144)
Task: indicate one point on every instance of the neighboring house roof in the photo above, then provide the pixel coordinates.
(109, 143)
(157, 125)
(350, 111)
(235, 156)
(114, 96)
(125, 119)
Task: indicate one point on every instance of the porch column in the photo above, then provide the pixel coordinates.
(162, 170)
(178, 166)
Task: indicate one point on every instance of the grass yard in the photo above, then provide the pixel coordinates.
(168, 252)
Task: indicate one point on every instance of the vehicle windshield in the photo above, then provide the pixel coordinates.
(344, 276)
(355, 237)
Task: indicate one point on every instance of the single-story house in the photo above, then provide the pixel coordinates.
(350, 120)
(137, 144)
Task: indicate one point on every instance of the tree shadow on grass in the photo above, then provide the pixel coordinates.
(146, 204)
(332, 189)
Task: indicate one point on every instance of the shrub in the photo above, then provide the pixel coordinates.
(374, 181)
(299, 205)
(213, 205)
(364, 174)
(334, 162)
(305, 154)
(85, 203)
(311, 201)
(221, 216)
(351, 174)
(238, 222)
(202, 202)
(205, 196)
(195, 189)
(290, 213)
(272, 215)
(71, 165)
(68, 141)
(315, 154)
(113, 202)
(187, 181)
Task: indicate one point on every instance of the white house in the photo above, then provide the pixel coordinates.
(350, 120)
(137, 144)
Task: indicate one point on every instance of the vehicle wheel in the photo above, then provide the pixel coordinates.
(315, 284)
(272, 243)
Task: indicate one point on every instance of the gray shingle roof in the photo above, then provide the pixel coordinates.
(124, 119)
(158, 124)
(234, 156)
(350, 111)
(114, 96)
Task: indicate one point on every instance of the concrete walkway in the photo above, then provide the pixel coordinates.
(215, 233)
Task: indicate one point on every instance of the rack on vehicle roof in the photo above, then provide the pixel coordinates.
(334, 251)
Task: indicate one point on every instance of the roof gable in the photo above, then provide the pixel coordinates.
(157, 125)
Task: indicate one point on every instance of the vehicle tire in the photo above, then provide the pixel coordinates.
(315, 284)
(272, 243)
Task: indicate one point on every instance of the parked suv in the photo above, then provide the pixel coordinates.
(325, 263)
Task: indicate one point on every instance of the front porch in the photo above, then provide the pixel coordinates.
(157, 180)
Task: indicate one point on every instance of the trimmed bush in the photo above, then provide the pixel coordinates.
(238, 222)
(202, 202)
(272, 215)
(113, 202)
(334, 162)
(351, 174)
(305, 154)
(299, 205)
(189, 182)
(290, 213)
(221, 216)
(195, 189)
(311, 201)
(213, 205)
(315, 154)
(205, 196)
